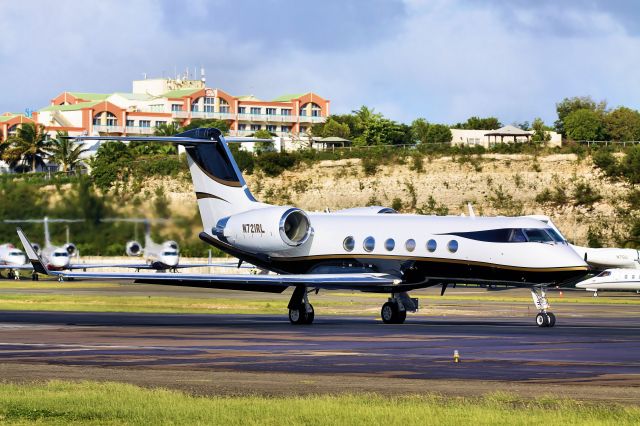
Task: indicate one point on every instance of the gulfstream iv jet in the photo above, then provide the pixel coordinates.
(371, 250)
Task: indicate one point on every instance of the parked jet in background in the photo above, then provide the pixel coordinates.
(159, 256)
(55, 257)
(613, 279)
(13, 260)
(367, 251)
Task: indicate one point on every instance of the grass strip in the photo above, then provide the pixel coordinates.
(93, 403)
(156, 304)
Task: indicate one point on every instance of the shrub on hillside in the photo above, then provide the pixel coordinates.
(585, 195)
(274, 163)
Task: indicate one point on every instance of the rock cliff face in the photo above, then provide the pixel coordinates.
(568, 189)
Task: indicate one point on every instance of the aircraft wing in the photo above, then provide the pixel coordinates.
(83, 266)
(17, 267)
(146, 266)
(249, 282)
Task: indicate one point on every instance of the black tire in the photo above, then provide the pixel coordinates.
(542, 320)
(389, 313)
(295, 316)
(300, 316)
(552, 319)
(400, 317)
(309, 316)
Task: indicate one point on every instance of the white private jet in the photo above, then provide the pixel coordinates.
(613, 279)
(356, 250)
(55, 257)
(13, 260)
(157, 256)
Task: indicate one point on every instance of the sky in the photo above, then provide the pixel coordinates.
(443, 60)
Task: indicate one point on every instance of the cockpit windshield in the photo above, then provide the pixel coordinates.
(555, 235)
(537, 235)
(15, 253)
(60, 254)
(170, 253)
(605, 274)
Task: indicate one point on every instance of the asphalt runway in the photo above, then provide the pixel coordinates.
(588, 350)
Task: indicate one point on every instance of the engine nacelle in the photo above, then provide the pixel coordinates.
(170, 245)
(71, 249)
(371, 210)
(268, 229)
(36, 247)
(133, 248)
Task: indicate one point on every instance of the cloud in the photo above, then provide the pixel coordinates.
(443, 60)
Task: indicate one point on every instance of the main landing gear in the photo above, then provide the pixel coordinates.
(395, 310)
(544, 318)
(300, 310)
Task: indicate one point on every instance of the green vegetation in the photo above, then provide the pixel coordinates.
(28, 149)
(94, 403)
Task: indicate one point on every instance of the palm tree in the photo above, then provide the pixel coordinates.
(66, 152)
(29, 146)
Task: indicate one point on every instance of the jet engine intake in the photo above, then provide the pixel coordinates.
(71, 249)
(266, 229)
(170, 245)
(133, 248)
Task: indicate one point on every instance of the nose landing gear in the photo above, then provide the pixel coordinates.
(544, 318)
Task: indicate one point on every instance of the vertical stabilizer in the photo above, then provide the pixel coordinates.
(220, 188)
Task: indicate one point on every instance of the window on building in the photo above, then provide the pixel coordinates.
(284, 111)
(255, 127)
(271, 127)
(105, 118)
(160, 123)
(176, 107)
(271, 111)
(256, 110)
(194, 107)
(130, 123)
(208, 104)
(303, 111)
(285, 129)
(224, 106)
(242, 127)
(145, 123)
(242, 110)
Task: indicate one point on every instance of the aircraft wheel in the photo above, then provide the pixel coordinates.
(542, 320)
(552, 319)
(402, 315)
(389, 312)
(295, 316)
(10, 275)
(309, 316)
(300, 316)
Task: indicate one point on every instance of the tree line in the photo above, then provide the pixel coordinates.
(31, 146)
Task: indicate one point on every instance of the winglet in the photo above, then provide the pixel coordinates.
(35, 260)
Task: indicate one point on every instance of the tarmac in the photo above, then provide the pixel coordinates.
(591, 354)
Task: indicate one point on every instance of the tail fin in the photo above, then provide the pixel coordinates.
(220, 188)
(34, 258)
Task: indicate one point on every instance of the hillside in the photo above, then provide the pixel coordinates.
(562, 186)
